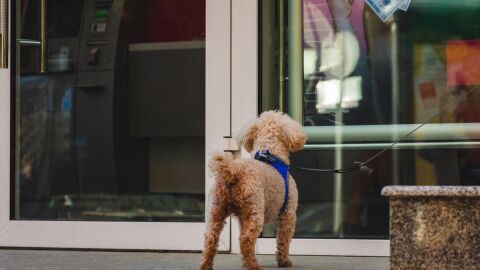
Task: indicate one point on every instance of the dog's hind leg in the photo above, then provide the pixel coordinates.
(285, 230)
(217, 220)
(251, 227)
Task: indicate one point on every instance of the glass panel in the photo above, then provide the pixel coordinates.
(110, 122)
(363, 84)
(417, 44)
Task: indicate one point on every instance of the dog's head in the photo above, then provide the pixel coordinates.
(272, 129)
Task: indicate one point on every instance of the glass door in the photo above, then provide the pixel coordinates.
(109, 128)
(358, 84)
(333, 208)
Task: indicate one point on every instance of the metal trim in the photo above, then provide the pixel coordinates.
(4, 33)
(166, 46)
(388, 133)
(408, 145)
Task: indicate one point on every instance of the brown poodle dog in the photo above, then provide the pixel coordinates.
(255, 191)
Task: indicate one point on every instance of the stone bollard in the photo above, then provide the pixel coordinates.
(434, 227)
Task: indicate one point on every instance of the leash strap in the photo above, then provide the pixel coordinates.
(280, 166)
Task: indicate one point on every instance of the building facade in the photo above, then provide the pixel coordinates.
(110, 109)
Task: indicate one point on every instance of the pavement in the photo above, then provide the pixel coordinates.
(93, 260)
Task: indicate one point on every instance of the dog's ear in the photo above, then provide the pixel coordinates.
(293, 134)
(247, 135)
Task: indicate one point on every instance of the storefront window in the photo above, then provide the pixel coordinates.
(109, 110)
(358, 84)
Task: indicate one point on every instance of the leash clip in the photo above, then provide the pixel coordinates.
(364, 168)
(264, 156)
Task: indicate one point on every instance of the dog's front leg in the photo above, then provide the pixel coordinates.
(251, 227)
(285, 230)
(215, 226)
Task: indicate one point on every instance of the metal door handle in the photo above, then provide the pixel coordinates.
(29, 42)
(42, 43)
(43, 36)
(4, 33)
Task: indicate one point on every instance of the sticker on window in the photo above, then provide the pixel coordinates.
(385, 8)
(404, 5)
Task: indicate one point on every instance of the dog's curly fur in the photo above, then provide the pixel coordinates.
(254, 191)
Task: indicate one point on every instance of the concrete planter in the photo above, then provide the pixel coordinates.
(434, 227)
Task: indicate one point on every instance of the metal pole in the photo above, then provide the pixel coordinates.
(43, 36)
(338, 178)
(395, 99)
(295, 60)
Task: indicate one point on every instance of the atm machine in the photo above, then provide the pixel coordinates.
(108, 158)
(75, 113)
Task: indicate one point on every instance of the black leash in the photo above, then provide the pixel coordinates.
(362, 166)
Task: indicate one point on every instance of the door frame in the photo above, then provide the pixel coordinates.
(126, 235)
(245, 106)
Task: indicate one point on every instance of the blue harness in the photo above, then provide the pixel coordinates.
(279, 165)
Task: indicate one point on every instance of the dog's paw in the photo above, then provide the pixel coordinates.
(286, 263)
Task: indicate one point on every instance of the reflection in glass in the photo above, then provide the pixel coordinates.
(114, 129)
(336, 39)
(365, 84)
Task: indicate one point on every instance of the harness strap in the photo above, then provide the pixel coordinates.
(280, 166)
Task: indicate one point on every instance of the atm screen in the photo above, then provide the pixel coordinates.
(63, 18)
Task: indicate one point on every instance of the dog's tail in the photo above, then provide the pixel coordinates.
(223, 167)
